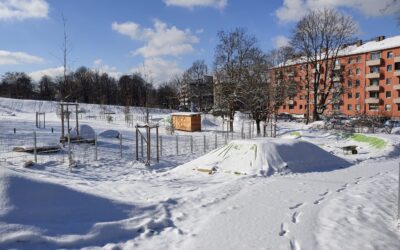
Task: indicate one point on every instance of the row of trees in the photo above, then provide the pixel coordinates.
(88, 86)
(251, 80)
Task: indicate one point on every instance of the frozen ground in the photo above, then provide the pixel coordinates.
(117, 203)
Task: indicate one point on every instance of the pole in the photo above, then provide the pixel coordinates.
(76, 120)
(95, 147)
(69, 151)
(161, 146)
(191, 144)
(158, 154)
(34, 144)
(68, 119)
(204, 143)
(137, 143)
(44, 120)
(36, 119)
(216, 141)
(62, 122)
(177, 146)
(148, 145)
(120, 145)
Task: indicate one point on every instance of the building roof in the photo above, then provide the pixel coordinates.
(387, 43)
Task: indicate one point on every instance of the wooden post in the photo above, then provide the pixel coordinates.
(44, 120)
(204, 143)
(69, 151)
(141, 144)
(62, 122)
(161, 150)
(120, 145)
(191, 144)
(177, 145)
(148, 145)
(76, 120)
(37, 120)
(216, 141)
(137, 143)
(158, 156)
(95, 147)
(68, 119)
(34, 146)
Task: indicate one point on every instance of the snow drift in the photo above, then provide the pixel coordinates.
(266, 157)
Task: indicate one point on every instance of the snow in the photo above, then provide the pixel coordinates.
(110, 133)
(266, 157)
(85, 132)
(325, 198)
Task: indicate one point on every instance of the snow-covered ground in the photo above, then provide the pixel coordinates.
(299, 191)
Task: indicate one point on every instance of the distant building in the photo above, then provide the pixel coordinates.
(371, 81)
(197, 95)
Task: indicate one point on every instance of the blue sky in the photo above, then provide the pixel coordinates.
(159, 37)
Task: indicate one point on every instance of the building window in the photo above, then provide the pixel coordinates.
(358, 107)
(357, 83)
(374, 82)
(398, 107)
(349, 84)
(301, 106)
(388, 94)
(374, 94)
(358, 95)
(349, 95)
(350, 72)
(301, 97)
(388, 107)
(375, 55)
(349, 107)
(388, 81)
(291, 106)
(284, 106)
(358, 59)
(350, 60)
(358, 71)
(389, 68)
(335, 106)
(375, 69)
(373, 107)
(390, 54)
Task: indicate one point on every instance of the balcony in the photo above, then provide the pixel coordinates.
(396, 87)
(376, 62)
(396, 100)
(396, 72)
(373, 75)
(397, 59)
(372, 100)
(372, 88)
(337, 67)
(290, 74)
(290, 102)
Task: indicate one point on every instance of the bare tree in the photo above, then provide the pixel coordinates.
(319, 37)
(232, 58)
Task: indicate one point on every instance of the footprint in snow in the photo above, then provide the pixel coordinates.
(340, 189)
(295, 217)
(294, 245)
(318, 201)
(325, 193)
(283, 231)
(296, 206)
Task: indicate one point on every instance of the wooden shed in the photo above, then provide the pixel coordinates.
(187, 121)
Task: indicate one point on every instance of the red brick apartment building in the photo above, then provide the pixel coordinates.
(371, 81)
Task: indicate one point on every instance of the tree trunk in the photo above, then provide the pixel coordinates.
(258, 121)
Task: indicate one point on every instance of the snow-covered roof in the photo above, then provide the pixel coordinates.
(186, 113)
(387, 43)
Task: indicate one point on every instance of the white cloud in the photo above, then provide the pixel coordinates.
(160, 40)
(23, 9)
(51, 72)
(190, 4)
(158, 70)
(281, 41)
(104, 68)
(294, 10)
(14, 58)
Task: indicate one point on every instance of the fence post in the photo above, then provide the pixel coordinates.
(250, 125)
(216, 141)
(161, 146)
(95, 147)
(34, 145)
(177, 146)
(226, 138)
(242, 130)
(141, 144)
(158, 154)
(148, 145)
(191, 144)
(69, 151)
(120, 145)
(204, 143)
(137, 143)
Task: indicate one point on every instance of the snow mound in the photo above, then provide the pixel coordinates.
(85, 132)
(316, 125)
(266, 157)
(395, 131)
(45, 215)
(109, 134)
